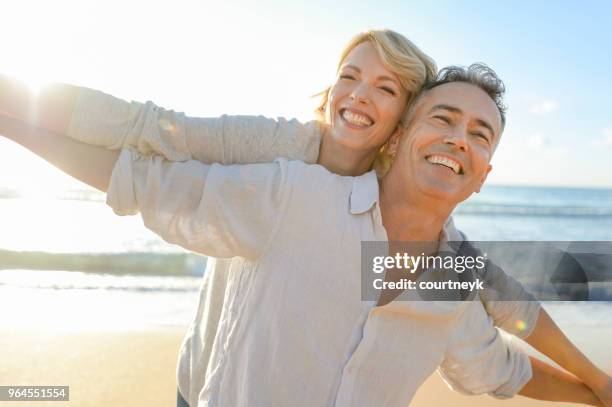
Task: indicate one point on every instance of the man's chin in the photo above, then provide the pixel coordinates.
(445, 193)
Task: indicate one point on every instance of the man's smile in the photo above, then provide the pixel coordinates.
(446, 161)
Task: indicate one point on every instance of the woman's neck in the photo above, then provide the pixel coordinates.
(342, 160)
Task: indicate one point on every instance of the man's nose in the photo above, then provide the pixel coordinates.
(458, 138)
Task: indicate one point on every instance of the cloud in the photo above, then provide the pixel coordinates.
(536, 141)
(543, 107)
(606, 140)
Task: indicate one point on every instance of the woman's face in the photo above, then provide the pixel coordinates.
(366, 102)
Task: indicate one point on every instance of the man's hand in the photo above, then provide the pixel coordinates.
(604, 392)
(552, 384)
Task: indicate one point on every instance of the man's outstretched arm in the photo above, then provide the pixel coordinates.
(479, 361)
(548, 338)
(507, 301)
(235, 214)
(552, 384)
(89, 164)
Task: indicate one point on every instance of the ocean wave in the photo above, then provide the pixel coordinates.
(533, 210)
(69, 195)
(141, 263)
(71, 280)
(9, 193)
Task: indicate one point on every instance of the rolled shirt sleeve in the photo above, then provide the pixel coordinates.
(514, 309)
(107, 121)
(220, 211)
(479, 360)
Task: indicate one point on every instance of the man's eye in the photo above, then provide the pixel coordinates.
(388, 90)
(481, 135)
(443, 119)
(347, 76)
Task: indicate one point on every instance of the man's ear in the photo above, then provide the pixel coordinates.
(484, 178)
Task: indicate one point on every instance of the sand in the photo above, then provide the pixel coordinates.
(102, 368)
(137, 368)
(434, 393)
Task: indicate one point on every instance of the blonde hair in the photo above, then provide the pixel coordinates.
(412, 67)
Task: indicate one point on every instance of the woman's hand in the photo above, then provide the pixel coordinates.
(51, 108)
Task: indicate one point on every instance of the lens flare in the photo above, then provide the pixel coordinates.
(520, 325)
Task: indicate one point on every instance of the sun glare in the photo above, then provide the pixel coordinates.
(34, 80)
(31, 176)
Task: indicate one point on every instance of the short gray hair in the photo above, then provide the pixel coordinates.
(477, 74)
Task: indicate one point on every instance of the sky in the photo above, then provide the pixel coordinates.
(269, 57)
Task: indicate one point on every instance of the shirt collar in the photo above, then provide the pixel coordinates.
(364, 193)
(450, 232)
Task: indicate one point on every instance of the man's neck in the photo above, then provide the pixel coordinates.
(343, 160)
(410, 217)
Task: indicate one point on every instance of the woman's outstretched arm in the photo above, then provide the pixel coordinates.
(89, 164)
(96, 118)
(50, 109)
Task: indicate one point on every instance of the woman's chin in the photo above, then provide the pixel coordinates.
(358, 140)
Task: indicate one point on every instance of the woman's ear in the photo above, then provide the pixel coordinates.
(393, 143)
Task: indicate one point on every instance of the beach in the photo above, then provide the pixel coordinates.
(100, 304)
(102, 368)
(137, 368)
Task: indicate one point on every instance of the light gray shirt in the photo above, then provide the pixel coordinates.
(294, 330)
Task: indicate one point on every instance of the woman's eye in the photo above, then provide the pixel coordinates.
(388, 90)
(347, 76)
(443, 119)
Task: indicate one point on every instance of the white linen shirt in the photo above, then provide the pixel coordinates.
(294, 330)
(114, 123)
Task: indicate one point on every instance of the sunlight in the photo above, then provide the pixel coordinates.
(30, 75)
(35, 82)
(30, 175)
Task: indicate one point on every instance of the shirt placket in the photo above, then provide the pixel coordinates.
(350, 372)
(357, 359)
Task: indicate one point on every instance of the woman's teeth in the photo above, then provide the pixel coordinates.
(356, 118)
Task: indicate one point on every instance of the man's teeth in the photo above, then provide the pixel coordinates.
(453, 165)
(356, 118)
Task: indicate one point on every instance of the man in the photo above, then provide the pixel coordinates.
(295, 331)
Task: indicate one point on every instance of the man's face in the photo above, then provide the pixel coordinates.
(448, 144)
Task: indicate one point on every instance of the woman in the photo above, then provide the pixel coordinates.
(378, 75)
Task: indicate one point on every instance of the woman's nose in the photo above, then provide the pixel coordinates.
(360, 94)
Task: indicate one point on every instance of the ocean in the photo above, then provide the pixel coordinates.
(68, 262)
